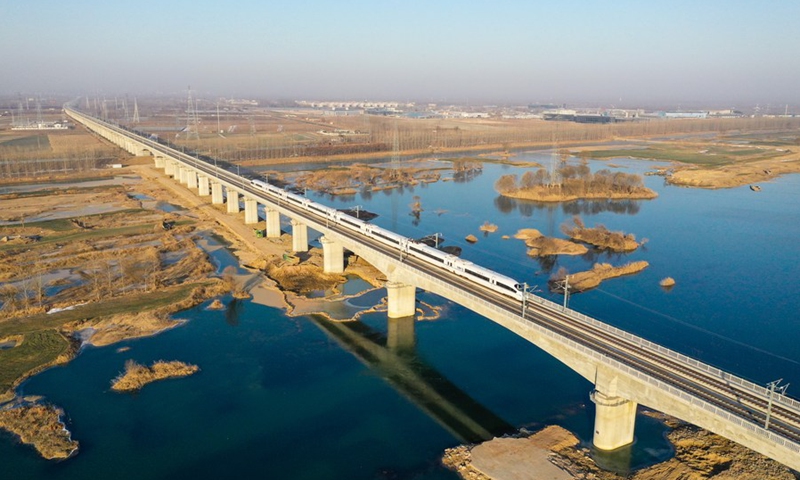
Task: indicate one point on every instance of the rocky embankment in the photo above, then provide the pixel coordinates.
(554, 453)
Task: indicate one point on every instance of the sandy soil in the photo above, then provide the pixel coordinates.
(554, 453)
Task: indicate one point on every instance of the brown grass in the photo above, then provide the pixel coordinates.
(600, 236)
(546, 246)
(137, 376)
(41, 427)
(582, 281)
(488, 227)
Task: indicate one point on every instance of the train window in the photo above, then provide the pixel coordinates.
(474, 274)
(423, 252)
(385, 237)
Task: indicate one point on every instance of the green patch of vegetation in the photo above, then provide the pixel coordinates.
(660, 154)
(76, 235)
(32, 141)
(37, 349)
(711, 156)
(132, 304)
(57, 191)
(768, 139)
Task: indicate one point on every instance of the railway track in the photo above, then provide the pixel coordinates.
(748, 405)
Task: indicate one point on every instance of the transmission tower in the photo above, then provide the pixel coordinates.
(395, 145)
(191, 119)
(135, 111)
(125, 109)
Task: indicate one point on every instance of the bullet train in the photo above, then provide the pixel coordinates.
(480, 275)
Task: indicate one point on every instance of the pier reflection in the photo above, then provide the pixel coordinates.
(394, 358)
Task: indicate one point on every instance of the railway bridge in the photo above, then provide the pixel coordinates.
(626, 370)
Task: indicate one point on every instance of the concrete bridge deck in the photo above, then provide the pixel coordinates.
(626, 370)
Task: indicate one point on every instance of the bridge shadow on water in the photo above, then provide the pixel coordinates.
(394, 358)
(398, 364)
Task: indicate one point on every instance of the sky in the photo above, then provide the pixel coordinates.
(729, 53)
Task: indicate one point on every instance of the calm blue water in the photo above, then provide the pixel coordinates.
(281, 397)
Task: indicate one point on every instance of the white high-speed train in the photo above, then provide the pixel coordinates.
(464, 268)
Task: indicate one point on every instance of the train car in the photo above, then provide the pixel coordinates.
(490, 279)
(386, 237)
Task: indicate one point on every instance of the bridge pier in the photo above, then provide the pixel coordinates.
(202, 187)
(191, 178)
(233, 200)
(401, 335)
(169, 168)
(250, 211)
(216, 193)
(182, 175)
(614, 421)
(401, 299)
(299, 237)
(332, 256)
(273, 223)
(159, 161)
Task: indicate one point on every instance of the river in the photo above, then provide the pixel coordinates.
(292, 398)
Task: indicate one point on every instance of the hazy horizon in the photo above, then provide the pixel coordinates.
(627, 53)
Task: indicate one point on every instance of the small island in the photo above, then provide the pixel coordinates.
(488, 227)
(542, 246)
(582, 281)
(570, 182)
(137, 376)
(41, 427)
(600, 236)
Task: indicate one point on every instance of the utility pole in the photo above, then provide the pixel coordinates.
(566, 293)
(524, 298)
(191, 119)
(773, 387)
(436, 239)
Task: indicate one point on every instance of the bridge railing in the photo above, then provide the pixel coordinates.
(644, 343)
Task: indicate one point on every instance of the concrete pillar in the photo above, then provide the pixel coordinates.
(233, 200)
(216, 193)
(250, 211)
(169, 168)
(332, 256)
(182, 177)
(160, 161)
(614, 421)
(401, 335)
(191, 178)
(202, 186)
(401, 299)
(299, 237)
(273, 223)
